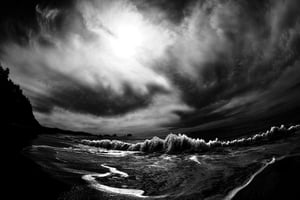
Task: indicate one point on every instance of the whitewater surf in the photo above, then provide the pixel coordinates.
(177, 167)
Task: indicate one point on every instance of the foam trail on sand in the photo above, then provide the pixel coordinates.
(115, 171)
(182, 143)
(91, 178)
(236, 190)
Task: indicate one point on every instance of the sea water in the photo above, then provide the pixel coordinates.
(121, 172)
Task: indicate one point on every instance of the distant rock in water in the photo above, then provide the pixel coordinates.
(15, 107)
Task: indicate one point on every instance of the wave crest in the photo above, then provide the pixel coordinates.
(182, 143)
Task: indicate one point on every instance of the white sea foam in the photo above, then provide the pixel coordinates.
(236, 190)
(115, 171)
(195, 159)
(44, 146)
(182, 143)
(91, 179)
(101, 151)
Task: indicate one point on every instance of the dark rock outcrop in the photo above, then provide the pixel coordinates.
(15, 107)
(16, 117)
(23, 178)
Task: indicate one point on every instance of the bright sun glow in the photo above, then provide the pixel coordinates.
(126, 32)
(124, 47)
(129, 39)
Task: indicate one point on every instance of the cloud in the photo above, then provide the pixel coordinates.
(228, 50)
(95, 59)
(114, 61)
(155, 119)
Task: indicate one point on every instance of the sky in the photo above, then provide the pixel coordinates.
(154, 66)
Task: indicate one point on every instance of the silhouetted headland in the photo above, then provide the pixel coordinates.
(18, 128)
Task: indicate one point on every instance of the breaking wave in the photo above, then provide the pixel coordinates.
(181, 143)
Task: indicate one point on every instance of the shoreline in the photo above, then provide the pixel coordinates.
(274, 181)
(233, 192)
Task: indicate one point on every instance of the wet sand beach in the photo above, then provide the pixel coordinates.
(277, 181)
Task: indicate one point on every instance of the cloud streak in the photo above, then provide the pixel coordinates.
(115, 65)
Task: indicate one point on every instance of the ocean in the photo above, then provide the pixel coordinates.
(176, 167)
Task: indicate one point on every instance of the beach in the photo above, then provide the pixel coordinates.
(277, 181)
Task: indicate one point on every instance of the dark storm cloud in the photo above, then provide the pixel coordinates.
(208, 62)
(70, 66)
(175, 10)
(257, 42)
(17, 17)
(79, 98)
(281, 99)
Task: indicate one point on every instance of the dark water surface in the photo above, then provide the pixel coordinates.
(98, 173)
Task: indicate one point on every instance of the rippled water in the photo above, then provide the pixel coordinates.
(216, 174)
